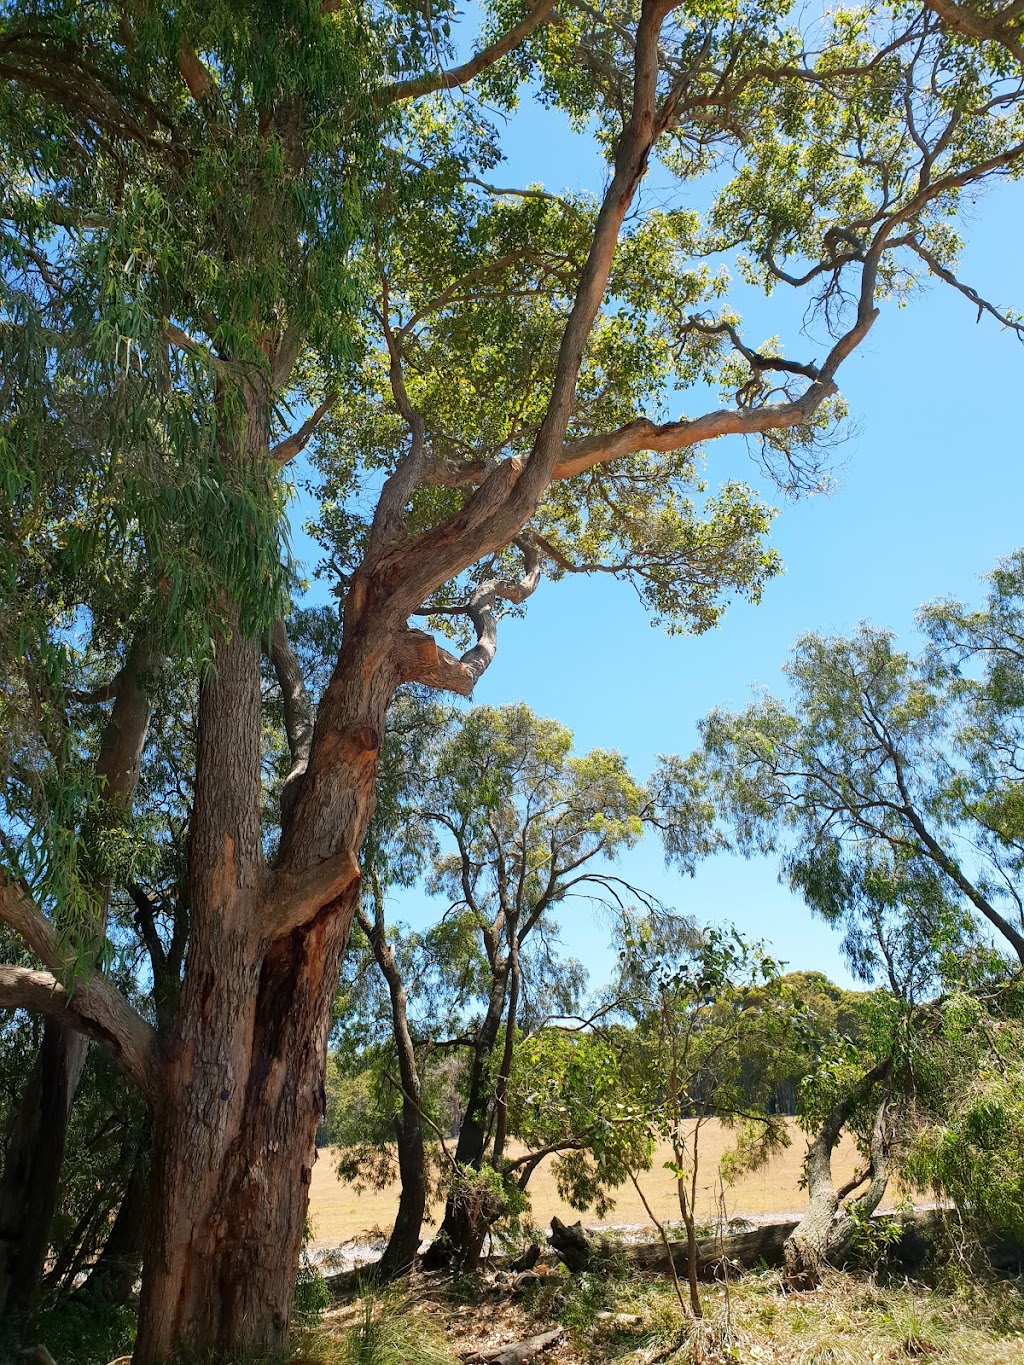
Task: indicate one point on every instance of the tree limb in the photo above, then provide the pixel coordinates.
(999, 27)
(93, 1004)
(426, 662)
(298, 711)
(293, 445)
(643, 434)
(293, 898)
(194, 73)
(426, 84)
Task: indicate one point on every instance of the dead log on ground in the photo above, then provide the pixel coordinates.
(572, 1244)
(765, 1245)
(519, 1352)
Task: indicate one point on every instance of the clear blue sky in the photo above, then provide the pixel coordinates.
(930, 492)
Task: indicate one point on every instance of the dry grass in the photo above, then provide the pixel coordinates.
(339, 1214)
(619, 1316)
(851, 1320)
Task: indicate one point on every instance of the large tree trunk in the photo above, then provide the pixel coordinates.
(35, 1148)
(241, 1091)
(234, 1150)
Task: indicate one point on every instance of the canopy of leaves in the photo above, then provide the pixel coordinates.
(889, 785)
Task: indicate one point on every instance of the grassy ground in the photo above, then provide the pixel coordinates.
(339, 1213)
(851, 1320)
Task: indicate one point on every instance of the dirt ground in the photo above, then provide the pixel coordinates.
(339, 1213)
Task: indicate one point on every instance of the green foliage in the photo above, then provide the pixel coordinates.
(888, 787)
(968, 1148)
(312, 1296)
(567, 1088)
(85, 1332)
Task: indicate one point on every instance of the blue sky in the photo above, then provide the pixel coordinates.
(929, 493)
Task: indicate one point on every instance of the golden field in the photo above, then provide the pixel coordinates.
(339, 1214)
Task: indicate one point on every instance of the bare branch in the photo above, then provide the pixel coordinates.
(982, 305)
(298, 711)
(643, 434)
(293, 445)
(486, 57)
(435, 666)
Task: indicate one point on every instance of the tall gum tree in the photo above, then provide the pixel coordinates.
(205, 226)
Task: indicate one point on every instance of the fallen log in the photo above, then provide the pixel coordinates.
(518, 1352)
(764, 1246)
(743, 1249)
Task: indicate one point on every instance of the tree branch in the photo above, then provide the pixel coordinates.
(194, 73)
(643, 434)
(295, 898)
(298, 711)
(997, 28)
(982, 305)
(426, 662)
(93, 1004)
(293, 445)
(426, 84)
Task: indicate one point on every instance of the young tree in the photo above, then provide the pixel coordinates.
(510, 824)
(187, 258)
(697, 1004)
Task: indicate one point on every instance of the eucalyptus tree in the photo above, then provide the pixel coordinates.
(523, 826)
(217, 216)
(891, 787)
(506, 824)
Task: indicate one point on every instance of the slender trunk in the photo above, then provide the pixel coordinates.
(689, 1223)
(460, 1238)
(664, 1241)
(404, 1244)
(505, 1069)
(116, 1270)
(35, 1149)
